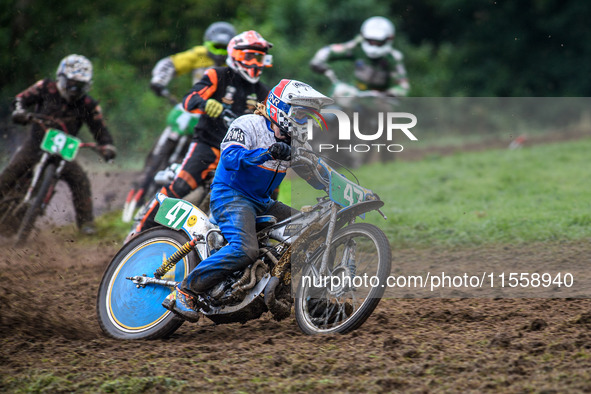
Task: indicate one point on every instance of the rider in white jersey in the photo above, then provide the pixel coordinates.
(256, 153)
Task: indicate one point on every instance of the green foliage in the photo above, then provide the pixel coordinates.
(499, 196)
(138, 118)
(42, 382)
(452, 48)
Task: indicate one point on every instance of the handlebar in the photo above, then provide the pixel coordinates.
(228, 117)
(46, 121)
(331, 75)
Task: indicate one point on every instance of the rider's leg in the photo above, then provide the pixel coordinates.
(164, 147)
(199, 161)
(79, 185)
(235, 214)
(280, 210)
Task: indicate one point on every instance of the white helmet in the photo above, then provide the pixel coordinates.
(291, 103)
(377, 33)
(74, 77)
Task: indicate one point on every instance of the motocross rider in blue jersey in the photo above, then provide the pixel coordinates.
(255, 154)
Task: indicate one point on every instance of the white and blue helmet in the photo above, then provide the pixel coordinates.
(291, 103)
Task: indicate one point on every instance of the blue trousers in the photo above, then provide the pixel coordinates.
(235, 214)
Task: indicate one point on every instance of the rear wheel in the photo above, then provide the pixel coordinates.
(41, 196)
(128, 312)
(342, 298)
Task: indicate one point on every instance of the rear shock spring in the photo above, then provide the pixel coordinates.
(177, 256)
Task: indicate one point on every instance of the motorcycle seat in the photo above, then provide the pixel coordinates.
(262, 221)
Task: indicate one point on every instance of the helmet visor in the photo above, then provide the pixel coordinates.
(76, 89)
(253, 59)
(73, 85)
(300, 115)
(217, 48)
(376, 43)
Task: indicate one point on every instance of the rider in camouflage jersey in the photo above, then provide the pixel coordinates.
(66, 101)
(377, 66)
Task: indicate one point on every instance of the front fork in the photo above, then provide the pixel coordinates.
(330, 233)
(39, 168)
(36, 175)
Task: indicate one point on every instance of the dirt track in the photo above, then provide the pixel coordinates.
(51, 339)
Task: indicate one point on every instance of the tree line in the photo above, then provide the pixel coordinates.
(452, 48)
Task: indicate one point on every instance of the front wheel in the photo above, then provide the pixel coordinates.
(128, 312)
(40, 198)
(341, 299)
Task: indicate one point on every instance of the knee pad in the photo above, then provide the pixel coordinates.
(179, 188)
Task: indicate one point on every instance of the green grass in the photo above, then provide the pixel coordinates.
(535, 194)
(48, 382)
(110, 230)
(539, 193)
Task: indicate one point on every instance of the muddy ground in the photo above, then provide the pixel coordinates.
(50, 340)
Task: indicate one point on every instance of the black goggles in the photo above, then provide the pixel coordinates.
(376, 43)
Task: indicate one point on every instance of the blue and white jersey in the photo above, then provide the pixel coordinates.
(245, 164)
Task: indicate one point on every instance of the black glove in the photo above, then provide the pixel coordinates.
(20, 116)
(158, 89)
(108, 152)
(280, 151)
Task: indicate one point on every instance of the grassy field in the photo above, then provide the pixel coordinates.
(535, 194)
(538, 193)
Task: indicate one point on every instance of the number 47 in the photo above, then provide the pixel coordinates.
(349, 190)
(171, 215)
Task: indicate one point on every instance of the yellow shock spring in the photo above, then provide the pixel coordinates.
(177, 256)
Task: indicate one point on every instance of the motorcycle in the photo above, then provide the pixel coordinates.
(300, 255)
(170, 148)
(165, 157)
(28, 200)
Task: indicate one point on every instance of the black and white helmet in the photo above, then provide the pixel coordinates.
(74, 77)
(290, 104)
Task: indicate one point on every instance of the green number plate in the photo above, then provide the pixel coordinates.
(181, 121)
(343, 191)
(173, 213)
(60, 143)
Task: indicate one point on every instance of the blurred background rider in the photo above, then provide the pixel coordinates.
(65, 100)
(235, 88)
(212, 53)
(377, 65)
